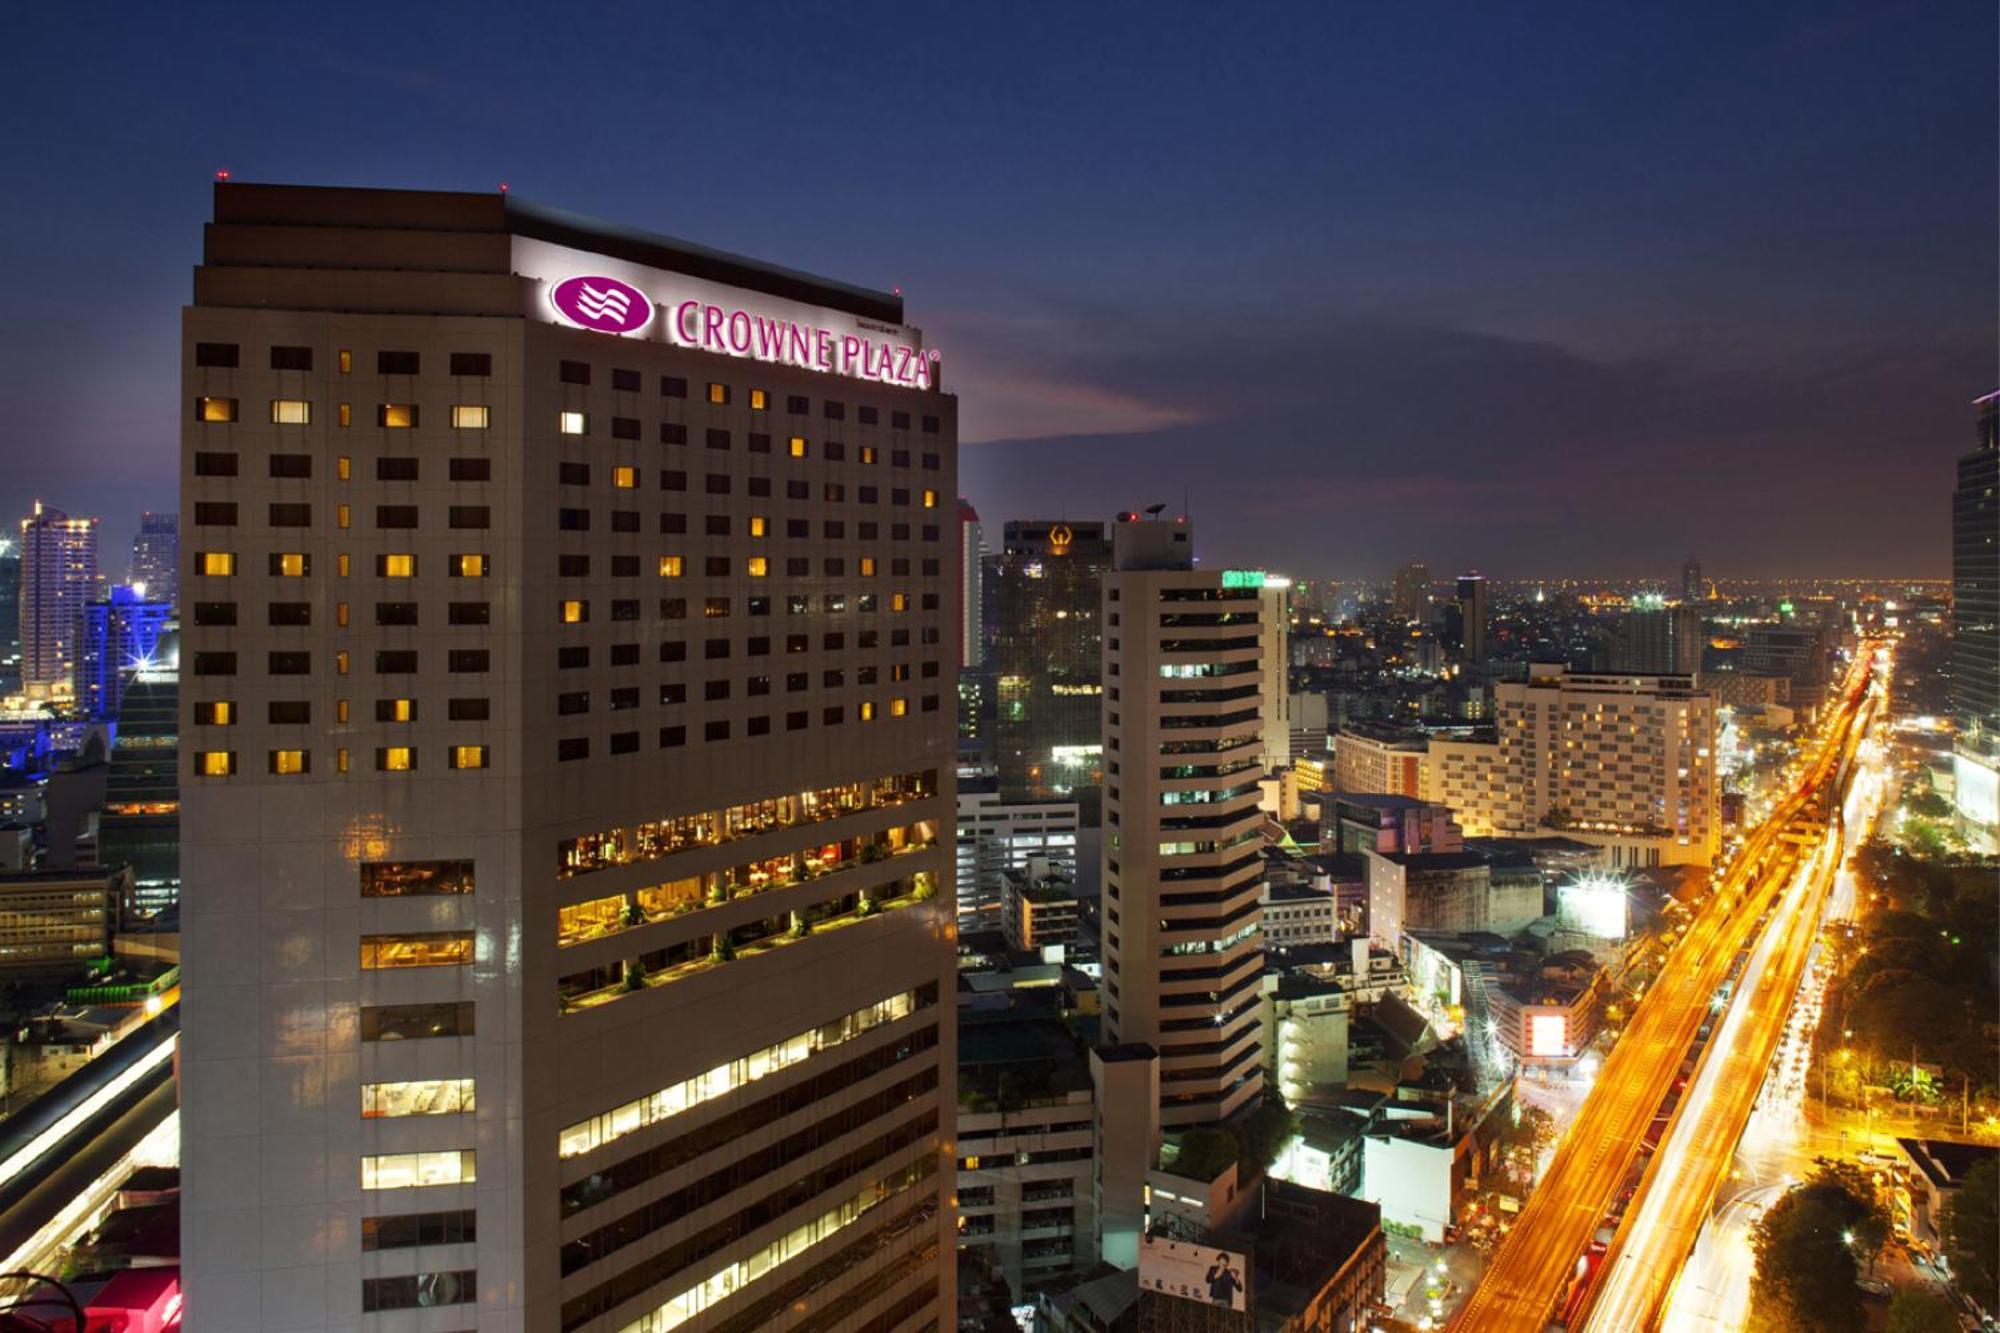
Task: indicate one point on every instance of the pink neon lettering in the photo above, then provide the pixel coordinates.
(689, 333)
(798, 348)
(823, 348)
(770, 338)
(923, 370)
(739, 332)
(711, 328)
(902, 365)
(850, 347)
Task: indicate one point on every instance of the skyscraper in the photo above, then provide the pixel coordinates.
(567, 890)
(10, 616)
(58, 578)
(1472, 616)
(1975, 625)
(120, 634)
(141, 826)
(1046, 659)
(1653, 637)
(971, 573)
(1411, 593)
(1183, 877)
(156, 553)
(1692, 588)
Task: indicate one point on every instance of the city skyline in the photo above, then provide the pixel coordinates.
(1514, 315)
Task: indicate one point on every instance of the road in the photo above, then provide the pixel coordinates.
(1534, 1267)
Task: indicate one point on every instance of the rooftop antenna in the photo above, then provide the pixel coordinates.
(1156, 510)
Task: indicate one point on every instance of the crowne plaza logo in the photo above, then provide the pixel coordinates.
(603, 304)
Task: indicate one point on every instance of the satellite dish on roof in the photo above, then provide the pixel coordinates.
(1156, 510)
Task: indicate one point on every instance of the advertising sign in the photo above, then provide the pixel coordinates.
(1193, 1272)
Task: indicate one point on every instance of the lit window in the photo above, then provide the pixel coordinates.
(340, 710)
(430, 1096)
(396, 759)
(346, 363)
(398, 416)
(216, 564)
(625, 478)
(670, 566)
(798, 446)
(899, 601)
(573, 423)
(291, 564)
(286, 762)
(469, 566)
(411, 1170)
(468, 756)
(398, 710)
(342, 564)
(340, 663)
(343, 517)
(291, 412)
(759, 400)
(930, 499)
(215, 409)
(343, 467)
(758, 566)
(575, 612)
(899, 707)
(346, 415)
(867, 710)
(867, 453)
(718, 393)
(340, 614)
(397, 566)
(759, 525)
(468, 417)
(220, 713)
(215, 763)
(867, 566)
(340, 760)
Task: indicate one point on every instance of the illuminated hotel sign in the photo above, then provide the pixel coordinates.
(1242, 578)
(876, 352)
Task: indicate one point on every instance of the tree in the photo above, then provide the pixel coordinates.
(1918, 1311)
(1809, 1249)
(1970, 1224)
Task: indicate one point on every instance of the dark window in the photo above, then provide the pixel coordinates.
(402, 1232)
(572, 566)
(572, 703)
(899, 421)
(930, 532)
(291, 358)
(289, 664)
(796, 404)
(717, 483)
(288, 712)
(716, 567)
(408, 1022)
(573, 657)
(760, 443)
(395, 469)
(291, 465)
(291, 515)
(715, 690)
(715, 731)
(572, 747)
(472, 363)
(716, 525)
(220, 355)
(673, 523)
(214, 465)
(467, 661)
(468, 710)
(572, 474)
(673, 386)
(625, 608)
(215, 613)
(870, 494)
(215, 664)
(673, 608)
(870, 415)
(836, 452)
(757, 685)
(931, 462)
(671, 737)
(420, 1290)
(396, 363)
(395, 516)
(830, 717)
(673, 481)
(290, 613)
(624, 520)
(714, 648)
(758, 646)
(758, 485)
(624, 654)
(835, 411)
(472, 469)
(673, 432)
(625, 381)
(573, 520)
(574, 372)
(795, 721)
(624, 566)
(833, 529)
(673, 650)
(673, 694)
(798, 490)
(930, 566)
(624, 428)
(471, 613)
(469, 516)
(930, 425)
(625, 742)
(718, 439)
(758, 726)
(797, 566)
(395, 661)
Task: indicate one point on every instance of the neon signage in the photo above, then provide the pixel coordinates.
(609, 305)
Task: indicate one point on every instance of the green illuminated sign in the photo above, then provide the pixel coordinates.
(1242, 578)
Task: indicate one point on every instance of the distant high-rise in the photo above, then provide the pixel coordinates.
(156, 557)
(1045, 658)
(1183, 877)
(1654, 638)
(141, 826)
(1472, 616)
(58, 579)
(120, 634)
(1692, 588)
(10, 616)
(971, 574)
(1411, 595)
(1975, 584)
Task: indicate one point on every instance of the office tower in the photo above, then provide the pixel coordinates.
(1655, 638)
(1411, 593)
(1472, 617)
(1975, 626)
(1183, 865)
(1045, 659)
(996, 838)
(1274, 627)
(971, 574)
(1692, 588)
(567, 905)
(120, 634)
(1621, 761)
(1797, 652)
(156, 557)
(10, 616)
(58, 577)
(141, 825)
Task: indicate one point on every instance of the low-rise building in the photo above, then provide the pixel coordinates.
(1374, 759)
(1299, 913)
(1449, 891)
(55, 921)
(996, 836)
(1039, 907)
(1352, 823)
(1305, 1035)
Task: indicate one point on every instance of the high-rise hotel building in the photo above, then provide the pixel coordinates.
(567, 780)
(1183, 837)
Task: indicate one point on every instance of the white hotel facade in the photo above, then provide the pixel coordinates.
(567, 736)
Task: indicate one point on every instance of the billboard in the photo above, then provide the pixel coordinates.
(1200, 1273)
(1548, 1035)
(1596, 905)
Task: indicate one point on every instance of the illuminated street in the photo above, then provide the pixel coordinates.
(1530, 1275)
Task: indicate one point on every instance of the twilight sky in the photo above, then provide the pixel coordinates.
(1546, 288)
